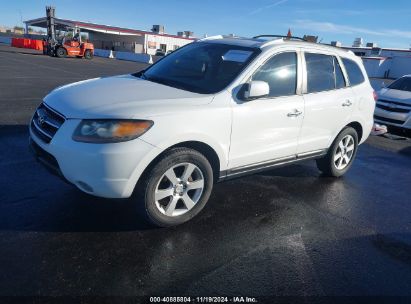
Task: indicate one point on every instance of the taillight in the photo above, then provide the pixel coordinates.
(375, 95)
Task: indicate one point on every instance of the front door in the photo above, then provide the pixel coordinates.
(267, 129)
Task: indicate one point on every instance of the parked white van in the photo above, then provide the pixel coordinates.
(214, 109)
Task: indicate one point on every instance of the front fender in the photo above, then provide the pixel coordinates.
(211, 126)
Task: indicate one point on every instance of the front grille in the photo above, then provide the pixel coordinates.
(46, 122)
(393, 109)
(395, 121)
(394, 102)
(393, 106)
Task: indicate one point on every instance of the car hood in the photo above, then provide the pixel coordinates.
(395, 95)
(122, 96)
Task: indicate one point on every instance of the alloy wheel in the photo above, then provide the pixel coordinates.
(344, 152)
(179, 189)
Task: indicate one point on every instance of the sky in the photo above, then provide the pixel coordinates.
(385, 22)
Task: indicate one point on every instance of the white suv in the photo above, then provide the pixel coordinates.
(215, 109)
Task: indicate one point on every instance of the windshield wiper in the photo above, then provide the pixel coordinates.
(171, 83)
(158, 80)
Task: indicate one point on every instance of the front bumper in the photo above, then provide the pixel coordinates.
(106, 170)
(46, 159)
(401, 120)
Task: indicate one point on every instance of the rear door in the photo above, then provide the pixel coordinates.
(328, 100)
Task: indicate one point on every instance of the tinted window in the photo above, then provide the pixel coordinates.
(280, 72)
(339, 76)
(402, 84)
(320, 72)
(354, 72)
(201, 67)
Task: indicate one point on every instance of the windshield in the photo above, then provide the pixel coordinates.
(201, 67)
(402, 84)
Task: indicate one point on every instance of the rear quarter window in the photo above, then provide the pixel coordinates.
(355, 75)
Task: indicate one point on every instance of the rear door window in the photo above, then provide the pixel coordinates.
(320, 72)
(354, 72)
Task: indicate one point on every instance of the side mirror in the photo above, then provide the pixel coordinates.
(383, 85)
(256, 89)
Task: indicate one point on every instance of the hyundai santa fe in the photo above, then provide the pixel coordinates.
(215, 109)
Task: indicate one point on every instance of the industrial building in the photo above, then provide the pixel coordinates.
(380, 62)
(122, 39)
(384, 62)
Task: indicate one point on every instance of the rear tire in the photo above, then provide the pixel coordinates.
(176, 188)
(341, 154)
(61, 52)
(88, 54)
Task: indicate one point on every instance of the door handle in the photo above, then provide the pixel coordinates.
(347, 103)
(295, 113)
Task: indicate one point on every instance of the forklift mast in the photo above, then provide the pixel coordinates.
(51, 28)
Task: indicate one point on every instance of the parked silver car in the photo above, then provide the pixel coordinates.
(393, 106)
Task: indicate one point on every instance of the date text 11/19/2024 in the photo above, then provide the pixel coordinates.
(239, 299)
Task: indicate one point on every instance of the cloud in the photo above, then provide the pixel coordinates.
(330, 11)
(260, 9)
(329, 27)
(351, 12)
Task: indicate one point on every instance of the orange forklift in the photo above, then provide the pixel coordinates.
(70, 45)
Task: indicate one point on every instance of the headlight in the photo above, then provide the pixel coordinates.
(110, 131)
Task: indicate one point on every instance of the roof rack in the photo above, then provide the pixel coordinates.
(279, 36)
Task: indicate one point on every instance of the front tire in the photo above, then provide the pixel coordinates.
(341, 154)
(176, 188)
(61, 52)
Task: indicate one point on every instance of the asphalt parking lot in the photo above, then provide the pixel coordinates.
(286, 232)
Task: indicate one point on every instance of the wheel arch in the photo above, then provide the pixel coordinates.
(358, 128)
(63, 48)
(199, 146)
(356, 125)
(207, 151)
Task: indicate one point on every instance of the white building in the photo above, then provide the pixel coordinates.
(122, 39)
(384, 62)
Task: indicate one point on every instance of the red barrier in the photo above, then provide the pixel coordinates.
(15, 42)
(27, 43)
(36, 44)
